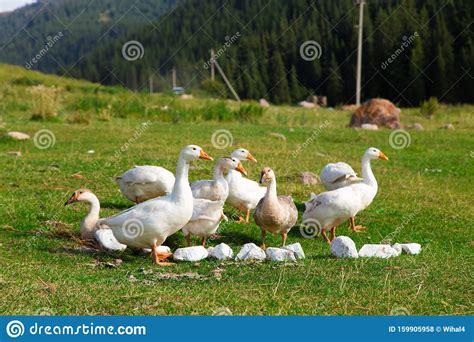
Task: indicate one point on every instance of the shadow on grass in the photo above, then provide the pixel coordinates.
(120, 206)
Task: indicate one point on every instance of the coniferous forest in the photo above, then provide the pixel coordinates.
(412, 49)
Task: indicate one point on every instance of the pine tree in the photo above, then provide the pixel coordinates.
(279, 87)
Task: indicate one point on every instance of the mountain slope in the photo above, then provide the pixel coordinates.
(266, 59)
(50, 35)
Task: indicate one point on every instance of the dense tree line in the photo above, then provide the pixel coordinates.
(57, 33)
(413, 49)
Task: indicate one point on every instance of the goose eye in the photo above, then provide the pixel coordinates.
(194, 148)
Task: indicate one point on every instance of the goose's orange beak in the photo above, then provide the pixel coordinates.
(241, 168)
(382, 156)
(250, 157)
(204, 155)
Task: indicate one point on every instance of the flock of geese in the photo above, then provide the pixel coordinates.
(167, 203)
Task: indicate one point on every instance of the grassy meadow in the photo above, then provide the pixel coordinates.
(425, 196)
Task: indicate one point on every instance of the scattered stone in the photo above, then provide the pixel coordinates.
(279, 254)
(14, 153)
(408, 248)
(222, 311)
(132, 278)
(18, 135)
(380, 112)
(344, 247)
(378, 251)
(296, 249)
(448, 126)
(306, 104)
(263, 103)
(107, 240)
(398, 248)
(195, 253)
(90, 152)
(162, 249)
(221, 251)
(417, 126)
(309, 178)
(250, 251)
(186, 97)
(277, 135)
(369, 127)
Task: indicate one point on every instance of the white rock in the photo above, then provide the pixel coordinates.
(18, 135)
(408, 248)
(306, 104)
(162, 249)
(263, 103)
(279, 254)
(378, 251)
(90, 152)
(344, 247)
(250, 251)
(398, 248)
(296, 249)
(221, 252)
(370, 127)
(107, 240)
(194, 253)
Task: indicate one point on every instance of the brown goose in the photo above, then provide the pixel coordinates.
(276, 214)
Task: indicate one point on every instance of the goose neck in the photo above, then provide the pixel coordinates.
(367, 173)
(181, 185)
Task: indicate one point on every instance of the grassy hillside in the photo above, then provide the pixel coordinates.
(425, 196)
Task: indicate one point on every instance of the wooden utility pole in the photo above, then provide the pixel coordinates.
(174, 77)
(213, 58)
(227, 81)
(359, 51)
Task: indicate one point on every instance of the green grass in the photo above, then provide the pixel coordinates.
(425, 195)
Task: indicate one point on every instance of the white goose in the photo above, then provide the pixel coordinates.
(89, 227)
(207, 215)
(337, 175)
(329, 209)
(217, 189)
(148, 224)
(145, 182)
(244, 193)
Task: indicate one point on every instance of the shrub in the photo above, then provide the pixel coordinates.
(217, 111)
(105, 114)
(45, 102)
(79, 118)
(87, 103)
(214, 88)
(250, 112)
(430, 107)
